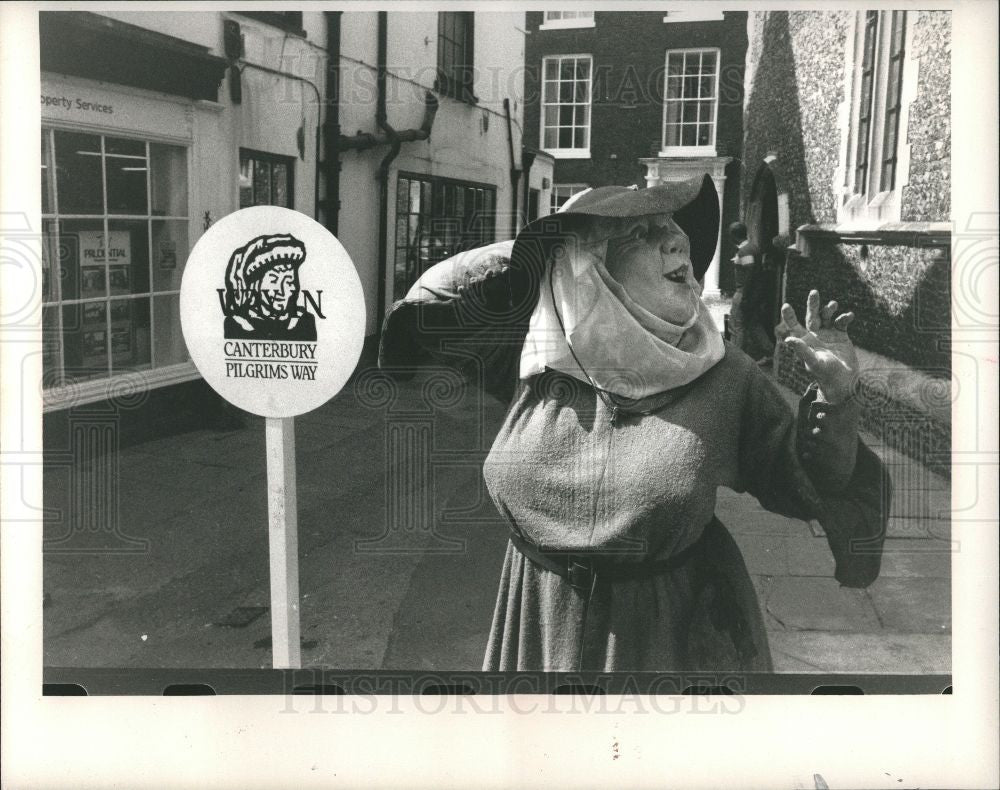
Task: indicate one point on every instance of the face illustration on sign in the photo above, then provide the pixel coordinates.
(272, 311)
(261, 297)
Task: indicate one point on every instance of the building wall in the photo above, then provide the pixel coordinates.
(282, 115)
(629, 56)
(794, 111)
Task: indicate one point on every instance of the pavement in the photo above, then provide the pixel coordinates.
(169, 566)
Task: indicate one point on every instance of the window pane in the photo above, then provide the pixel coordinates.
(566, 91)
(414, 197)
(583, 69)
(126, 179)
(167, 336)
(567, 68)
(78, 170)
(551, 69)
(708, 62)
(85, 339)
(280, 194)
(674, 87)
(675, 64)
(704, 134)
(82, 259)
(123, 147)
(261, 183)
(690, 87)
(129, 334)
(169, 180)
(688, 136)
(550, 92)
(51, 369)
(565, 137)
(582, 92)
(580, 138)
(48, 174)
(127, 257)
(551, 138)
(673, 135)
(246, 181)
(50, 249)
(170, 251)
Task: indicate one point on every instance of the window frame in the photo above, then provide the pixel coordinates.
(487, 234)
(572, 152)
(445, 83)
(90, 388)
(271, 159)
(690, 150)
(876, 200)
(566, 24)
(554, 189)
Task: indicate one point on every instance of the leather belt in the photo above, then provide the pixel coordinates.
(582, 570)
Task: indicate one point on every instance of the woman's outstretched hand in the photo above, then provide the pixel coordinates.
(823, 346)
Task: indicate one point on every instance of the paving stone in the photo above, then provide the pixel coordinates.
(763, 554)
(820, 604)
(919, 528)
(878, 653)
(916, 559)
(913, 606)
(921, 502)
(810, 556)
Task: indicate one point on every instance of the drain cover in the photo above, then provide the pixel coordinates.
(241, 616)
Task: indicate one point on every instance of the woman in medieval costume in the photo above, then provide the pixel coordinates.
(627, 412)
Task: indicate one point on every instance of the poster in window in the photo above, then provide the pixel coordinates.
(93, 314)
(118, 278)
(120, 311)
(94, 349)
(168, 254)
(93, 281)
(121, 343)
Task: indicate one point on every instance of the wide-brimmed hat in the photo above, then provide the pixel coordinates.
(693, 204)
(498, 296)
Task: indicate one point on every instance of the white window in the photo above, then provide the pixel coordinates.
(875, 160)
(561, 193)
(566, 87)
(554, 20)
(693, 15)
(115, 219)
(691, 103)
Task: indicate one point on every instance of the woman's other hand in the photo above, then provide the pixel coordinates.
(823, 346)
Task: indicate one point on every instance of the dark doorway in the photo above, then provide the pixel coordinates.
(762, 231)
(532, 204)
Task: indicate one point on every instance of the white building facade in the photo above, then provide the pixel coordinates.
(157, 124)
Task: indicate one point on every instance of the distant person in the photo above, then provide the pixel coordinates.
(748, 315)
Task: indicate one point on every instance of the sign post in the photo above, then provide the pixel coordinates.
(283, 541)
(273, 315)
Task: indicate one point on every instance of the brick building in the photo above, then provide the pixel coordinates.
(637, 98)
(847, 162)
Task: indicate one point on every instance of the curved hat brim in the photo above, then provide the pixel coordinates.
(693, 204)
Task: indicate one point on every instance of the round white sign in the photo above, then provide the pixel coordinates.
(272, 311)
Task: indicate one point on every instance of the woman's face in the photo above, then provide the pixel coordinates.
(653, 264)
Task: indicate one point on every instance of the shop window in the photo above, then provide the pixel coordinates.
(265, 179)
(555, 20)
(691, 102)
(455, 55)
(436, 218)
(566, 92)
(561, 193)
(115, 221)
(873, 155)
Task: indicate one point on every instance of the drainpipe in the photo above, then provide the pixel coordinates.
(331, 128)
(527, 160)
(382, 122)
(515, 174)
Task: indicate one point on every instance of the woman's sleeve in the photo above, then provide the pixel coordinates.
(812, 465)
(460, 314)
